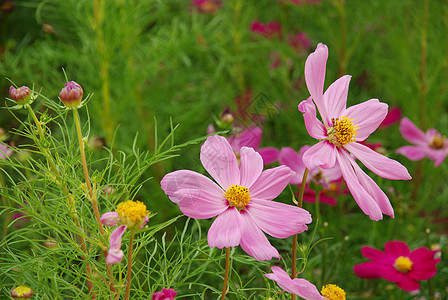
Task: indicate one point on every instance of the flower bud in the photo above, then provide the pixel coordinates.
(21, 292)
(22, 95)
(71, 94)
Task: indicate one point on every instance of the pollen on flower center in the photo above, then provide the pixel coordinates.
(403, 264)
(437, 142)
(134, 211)
(238, 196)
(333, 292)
(343, 132)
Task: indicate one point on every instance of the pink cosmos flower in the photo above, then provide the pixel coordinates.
(329, 179)
(268, 30)
(397, 264)
(165, 294)
(340, 132)
(430, 144)
(299, 42)
(5, 151)
(303, 288)
(392, 117)
(71, 95)
(240, 198)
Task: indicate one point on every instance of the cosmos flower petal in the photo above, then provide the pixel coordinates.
(269, 154)
(186, 179)
(412, 133)
(200, 204)
(290, 158)
(368, 115)
(314, 127)
(396, 248)
(377, 163)
(297, 286)
(271, 183)
(375, 254)
(251, 137)
(412, 152)
(114, 256)
(315, 67)
(165, 294)
(254, 242)
(251, 166)
(322, 154)
(366, 270)
(110, 218)
(219, 160)
(335, 97)
(367, 204)
(278, 219)
(424, 264)
(116, 235)
(408, 284)
(226, 229)
(437, 155)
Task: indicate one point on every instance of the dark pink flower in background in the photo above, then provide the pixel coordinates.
(340, 132)
(398, 264)
(430, 144)
(299, 42)
(240, 199)
(71, 95)
(21, 95)
(165, 294)
(269, 30)
(329, 179)
(5, 151)
(392, 117)
(207, 6)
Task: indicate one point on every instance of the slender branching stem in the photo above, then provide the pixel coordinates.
(226, 274)
(294, 238)
(129, 272)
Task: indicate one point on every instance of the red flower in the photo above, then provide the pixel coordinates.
(268, 30)
(397, 264)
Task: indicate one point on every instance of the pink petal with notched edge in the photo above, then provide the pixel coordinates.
(412, 133)
(269, 154)
(226, 229)
(408, 284)
(377, 163)
(368, 115)
(322, 154)
(424, 264)
(219, 160)
(271, 183)
(367, 204)
(186, 179)
(278, 219)
(366, 270)
(251, 137)
(115, 254)
(297, 286)
(251, 166)
(335, 97)
(412, 152)
(373, 190)
(315, 67)
(396, 249)
(314, 127)
(253, 240)
(376, 255)
(291, 159)
(200, 204)
(437, 155)
(110, 218)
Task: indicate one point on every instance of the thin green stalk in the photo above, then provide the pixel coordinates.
(423, 51)
(7, 214)
(226, 274)
(129, 272)
(294, 238)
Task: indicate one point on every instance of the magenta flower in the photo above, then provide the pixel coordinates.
(303, 288)
(299, 42)
(5, 151)
(240, 199)
(71, 95)
(268, 30)
(165, 294)
(129, 214)
(430, 144)
(397, 264)
(21, 95)
(329, 179)
(392, 117)
(340, 132)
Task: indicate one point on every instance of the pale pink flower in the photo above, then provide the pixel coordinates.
(240, 199)
(340, 132)
(430, 144)
(5, 151)
(165, 294)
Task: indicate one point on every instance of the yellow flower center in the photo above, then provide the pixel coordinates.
(134, 211)
(343, 132)
(238, 196)
(21, 290)
(403, 264)
(333, 292)
(437, 142)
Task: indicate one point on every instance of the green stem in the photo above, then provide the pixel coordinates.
(226, 274)
(294, 238)
(8, 215)
(129, 272)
